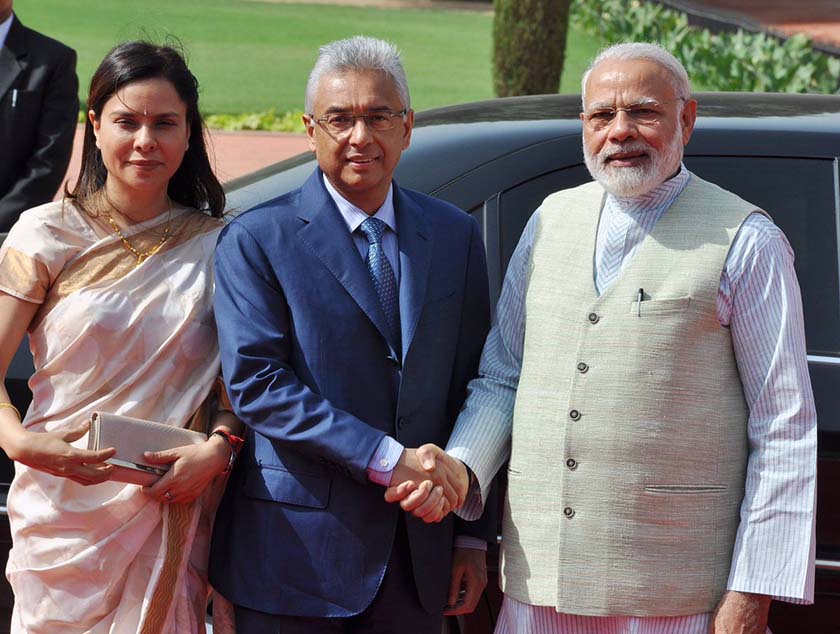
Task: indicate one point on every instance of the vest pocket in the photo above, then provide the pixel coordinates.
(684, 489)
(660, 306)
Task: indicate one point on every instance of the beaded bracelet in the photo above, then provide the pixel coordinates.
(11, 407)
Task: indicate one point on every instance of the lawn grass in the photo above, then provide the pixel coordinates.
(253, 56)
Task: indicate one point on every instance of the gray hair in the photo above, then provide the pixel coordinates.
(628, 51)
(359, 53)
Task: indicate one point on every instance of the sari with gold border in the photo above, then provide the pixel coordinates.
(113, 336)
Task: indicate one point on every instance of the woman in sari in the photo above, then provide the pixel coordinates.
(114, 286)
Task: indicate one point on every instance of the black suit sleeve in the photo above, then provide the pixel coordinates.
(50, 156)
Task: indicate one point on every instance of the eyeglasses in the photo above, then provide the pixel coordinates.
(341, 122)
(647, 113)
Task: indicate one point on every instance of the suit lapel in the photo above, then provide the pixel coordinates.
(11, 56)
(414, 237)
(325, 234)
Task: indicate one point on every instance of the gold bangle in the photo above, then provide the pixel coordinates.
(11, 407)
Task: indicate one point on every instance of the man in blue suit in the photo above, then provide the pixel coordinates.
(351, 316)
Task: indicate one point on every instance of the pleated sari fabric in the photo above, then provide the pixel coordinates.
(115, 336)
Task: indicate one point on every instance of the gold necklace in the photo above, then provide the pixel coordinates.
(140, 255)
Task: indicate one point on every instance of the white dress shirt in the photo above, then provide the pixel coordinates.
(353, 216)
(5, 26)
(759, 301)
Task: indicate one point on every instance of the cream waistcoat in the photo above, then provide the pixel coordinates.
(629, 437)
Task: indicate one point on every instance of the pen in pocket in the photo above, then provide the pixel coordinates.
(14, 97)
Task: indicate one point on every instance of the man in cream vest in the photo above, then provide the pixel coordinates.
(647, 381)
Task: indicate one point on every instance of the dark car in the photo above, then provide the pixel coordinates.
(498, 160)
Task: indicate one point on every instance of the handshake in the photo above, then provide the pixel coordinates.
(429, 483)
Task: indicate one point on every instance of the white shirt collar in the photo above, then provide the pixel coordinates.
(353, 216)
(4, 29)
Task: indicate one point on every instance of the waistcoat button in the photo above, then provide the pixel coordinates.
(574, 414)
(582, 367)
(594, 318)
(571, 463)
(569, 512)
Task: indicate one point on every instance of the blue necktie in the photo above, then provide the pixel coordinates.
(383, 276)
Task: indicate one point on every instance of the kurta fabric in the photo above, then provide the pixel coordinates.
(114, 337)
(758, 300)
(624, 223)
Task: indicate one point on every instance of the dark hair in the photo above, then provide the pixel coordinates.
(194, 184)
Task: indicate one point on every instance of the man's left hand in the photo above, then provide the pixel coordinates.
(741, 613)
(469, 578)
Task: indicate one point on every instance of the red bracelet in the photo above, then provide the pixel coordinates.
(235, 443)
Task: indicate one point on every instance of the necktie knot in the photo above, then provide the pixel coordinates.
(373, 228)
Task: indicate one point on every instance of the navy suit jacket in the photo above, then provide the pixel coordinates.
(309, 369)
(39, 104)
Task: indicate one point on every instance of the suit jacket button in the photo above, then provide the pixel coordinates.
(393, 361)
(569, 512)
(572, 464)
(401, 422)
(582, 367)
(593, 318)
(574, 414)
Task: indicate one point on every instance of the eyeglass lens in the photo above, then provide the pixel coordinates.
(374, 120)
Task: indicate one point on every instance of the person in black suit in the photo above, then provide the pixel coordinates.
(39, 105)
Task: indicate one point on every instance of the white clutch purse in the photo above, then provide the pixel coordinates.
(133, 436)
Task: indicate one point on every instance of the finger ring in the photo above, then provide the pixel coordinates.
(167, 496)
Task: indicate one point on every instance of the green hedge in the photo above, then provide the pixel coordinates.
(270, 120)
(716, 61)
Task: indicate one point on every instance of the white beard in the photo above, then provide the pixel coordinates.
(629, 182)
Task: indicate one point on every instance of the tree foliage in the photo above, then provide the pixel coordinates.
(750, 62)
(529, 43)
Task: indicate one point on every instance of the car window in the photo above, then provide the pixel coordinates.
(801, 197)
(516, 205)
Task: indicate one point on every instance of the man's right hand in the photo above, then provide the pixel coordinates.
(428, 483)
(741, 613)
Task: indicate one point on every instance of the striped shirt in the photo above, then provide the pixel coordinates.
(759, 301)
